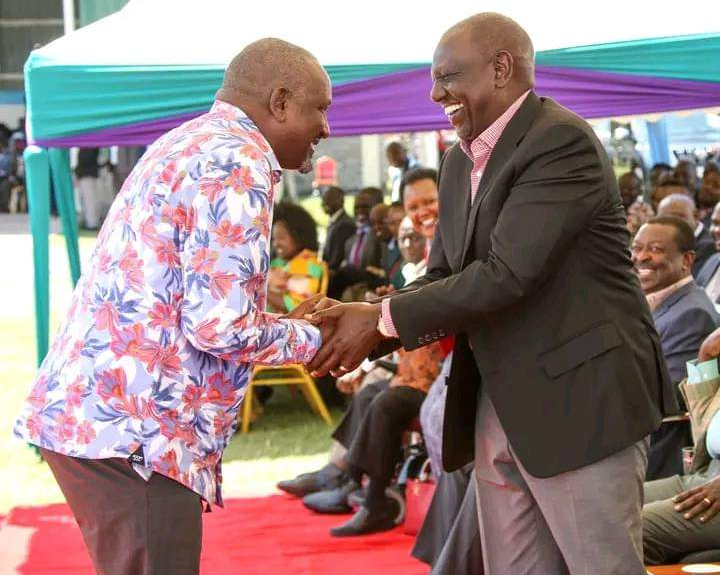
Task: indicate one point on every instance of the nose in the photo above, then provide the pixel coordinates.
(639, 255)
(325, 128)
(437, 92)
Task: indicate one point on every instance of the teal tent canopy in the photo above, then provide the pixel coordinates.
(133, 75)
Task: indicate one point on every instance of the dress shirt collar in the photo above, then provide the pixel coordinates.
(656, 298)
(337, 215)
(486, 141)
(699, 229)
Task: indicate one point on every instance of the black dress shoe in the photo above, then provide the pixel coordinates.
(329, 477)
(331, 501)
(366, 521)
(356, 498)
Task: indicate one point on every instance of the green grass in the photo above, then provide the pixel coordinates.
(286, 440)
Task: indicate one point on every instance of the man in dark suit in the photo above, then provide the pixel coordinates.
(340, 229)
(362, 249)
(662, 252)
(557, 369)
(708, 277)
(683, 206)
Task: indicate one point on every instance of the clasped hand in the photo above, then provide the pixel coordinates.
(349, 333)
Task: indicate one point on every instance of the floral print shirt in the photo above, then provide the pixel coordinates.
(166, 323)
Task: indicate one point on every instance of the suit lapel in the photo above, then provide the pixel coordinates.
(461, 207)
(671, 300)
(509, 140)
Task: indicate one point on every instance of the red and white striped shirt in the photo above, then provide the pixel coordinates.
(479, 151)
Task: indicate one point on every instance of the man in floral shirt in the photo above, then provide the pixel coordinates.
(138, 396)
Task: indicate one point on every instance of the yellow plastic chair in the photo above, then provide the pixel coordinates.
(292, 374)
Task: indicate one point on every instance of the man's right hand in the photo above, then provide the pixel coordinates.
(710, 348)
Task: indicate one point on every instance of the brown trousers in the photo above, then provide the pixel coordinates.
(131, 526)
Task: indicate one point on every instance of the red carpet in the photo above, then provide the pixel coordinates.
(268, 536)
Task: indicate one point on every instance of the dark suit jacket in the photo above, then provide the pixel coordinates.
(372, 250)
(338, 233)
(537, 285)
(392, 262)
(704, 249)
(683, 321)
(708, 270)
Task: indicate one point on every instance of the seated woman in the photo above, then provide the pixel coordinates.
(296, 273)
(680, 515)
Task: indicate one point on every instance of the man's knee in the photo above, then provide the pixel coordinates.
(656, 532)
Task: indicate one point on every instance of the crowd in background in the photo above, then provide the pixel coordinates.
(674, 224)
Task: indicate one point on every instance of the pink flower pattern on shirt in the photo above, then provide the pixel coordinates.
(168, 319)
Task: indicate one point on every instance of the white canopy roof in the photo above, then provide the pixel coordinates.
(361, 32)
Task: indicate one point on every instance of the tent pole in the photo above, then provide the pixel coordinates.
(37, 175)
(64, 197)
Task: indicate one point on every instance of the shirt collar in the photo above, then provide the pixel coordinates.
(337, 215)
(232, 113)
(656, 298)
(699, 229)
(490, 136)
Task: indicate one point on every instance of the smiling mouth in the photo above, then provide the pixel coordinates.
(452, 109)
(645, 272)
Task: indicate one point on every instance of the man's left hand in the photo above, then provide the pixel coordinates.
(703, 501)
(354, 337)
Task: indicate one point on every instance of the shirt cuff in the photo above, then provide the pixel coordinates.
(386, 325)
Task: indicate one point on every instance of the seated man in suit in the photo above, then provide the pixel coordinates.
(361, 249)
(341, 227)
(662, 253)
(680, 515)
(708, 277)
(683, 207)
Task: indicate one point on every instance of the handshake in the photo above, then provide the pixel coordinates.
(349, 332)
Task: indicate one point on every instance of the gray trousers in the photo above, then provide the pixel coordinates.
(583, 522)
(131, 526)
(667, 535)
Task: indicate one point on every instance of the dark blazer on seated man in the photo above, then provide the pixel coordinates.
(534, 279)
(704, 249)
(341, 228)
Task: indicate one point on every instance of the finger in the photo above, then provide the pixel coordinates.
(325, 303)
(689, 503)
(711, 512)
(697, 509)
(329, 364)
(321, 356)
(318, 316)
(686, 494)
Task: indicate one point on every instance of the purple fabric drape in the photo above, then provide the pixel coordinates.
(400, 102)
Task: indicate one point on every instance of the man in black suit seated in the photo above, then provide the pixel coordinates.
(662, 253)
(341, 227)
(708, 277)
(361, 249)
(683, 207)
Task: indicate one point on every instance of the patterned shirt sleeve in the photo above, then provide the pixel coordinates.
(225, 262)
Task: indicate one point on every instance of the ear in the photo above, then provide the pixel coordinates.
(688, 260)
(504, 66)
(279, 103)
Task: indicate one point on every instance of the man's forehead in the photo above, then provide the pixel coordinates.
(656, 233)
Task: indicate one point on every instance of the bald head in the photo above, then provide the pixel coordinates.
(267, 64)
(680, 206)
(480, 67)
(285, 91)
(490, 32)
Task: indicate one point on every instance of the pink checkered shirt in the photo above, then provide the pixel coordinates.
(478, 151)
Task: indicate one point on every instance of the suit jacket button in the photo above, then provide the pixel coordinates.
(421, 340)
